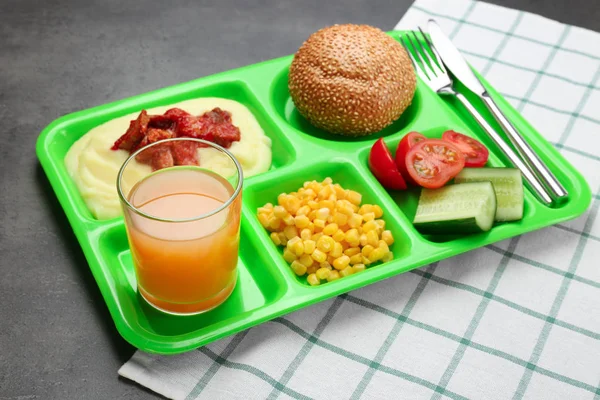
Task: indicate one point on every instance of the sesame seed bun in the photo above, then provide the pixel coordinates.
(352, 80)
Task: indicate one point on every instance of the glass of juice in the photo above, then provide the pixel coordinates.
(182, 222)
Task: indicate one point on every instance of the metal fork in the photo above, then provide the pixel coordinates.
(431, 70)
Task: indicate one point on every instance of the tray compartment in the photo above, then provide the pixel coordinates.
(349, 177)
(70, 128)
(284, 107)
(257, 286)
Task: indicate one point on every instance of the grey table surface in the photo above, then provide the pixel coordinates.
(57, 339)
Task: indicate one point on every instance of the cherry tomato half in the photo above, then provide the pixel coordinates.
(384, 168)
(407, 142)
(476, 154)
(432, 162)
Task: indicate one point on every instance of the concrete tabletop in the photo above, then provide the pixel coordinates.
(57, 339)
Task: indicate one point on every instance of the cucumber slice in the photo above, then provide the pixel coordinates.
(508, 186)
(465, 208)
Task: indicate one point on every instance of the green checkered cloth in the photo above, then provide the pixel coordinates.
(517, 319)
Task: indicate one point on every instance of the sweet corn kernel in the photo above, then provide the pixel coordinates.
(312, 214)
(339, 235)
(352, 237)
(332, 197)
(389, 256)
(365, 208)
(369, 226)
(263, 218)
(292, 205)
(356, 259)
(311, 227)
(339, 191)
(313, 280)
(274, 223)
(327, 204)
(366, 261)
(366, 250)
(363, 239)
(322, 273)
(378, 211)
(282, 238)
(310, 191)
(341, 262)
(292, 242)
(358, 268)
(330, 259)
(340, 218)
(355, 220)
(337, 251)
(290, 232)
(383, 245)
(316, 236)
(380, 224)
(306, 259)
(282, 198)
(275, 238)
(319, 223)
(373, 238)
(319, 256)
(370, 216)
(309, 246)
(323, 213)
(387, 237)
(333, 275)
(305, 234)
(376, 254)
(330, 229)
(298, 268)
(313, 204)
(280, 212)
(352, 251)
(288, 220)
(312, 269)
(301, 221)
(344, 209)
(324, 192)
(327, 181)
(325, 243)
(353, 197)
(346, 272)
(325, 264)
(303, 210)
(297, 247)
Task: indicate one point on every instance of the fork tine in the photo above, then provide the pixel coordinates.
(438, 59)
(404, 44)
(424, 54)
(422, 68)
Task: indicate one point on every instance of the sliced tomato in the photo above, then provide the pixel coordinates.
(407, 142)
(384, 168)
(432, 162)
(476, 154)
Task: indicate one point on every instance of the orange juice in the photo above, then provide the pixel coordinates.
(184, 266)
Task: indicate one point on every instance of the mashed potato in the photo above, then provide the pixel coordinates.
(93, 166)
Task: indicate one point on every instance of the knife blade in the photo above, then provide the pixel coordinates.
(456, 63)
(453, 59)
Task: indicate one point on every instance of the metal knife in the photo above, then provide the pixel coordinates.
(455, 62)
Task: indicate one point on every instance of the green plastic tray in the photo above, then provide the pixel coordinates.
(267, 288)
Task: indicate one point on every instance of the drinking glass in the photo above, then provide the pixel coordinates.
(182, 223)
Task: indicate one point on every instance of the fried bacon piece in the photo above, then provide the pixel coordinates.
(218, 128)
(135, 133)
(215, 126)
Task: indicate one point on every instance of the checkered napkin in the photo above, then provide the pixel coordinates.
(516, 319)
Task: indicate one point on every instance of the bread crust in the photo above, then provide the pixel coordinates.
(351, 80)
